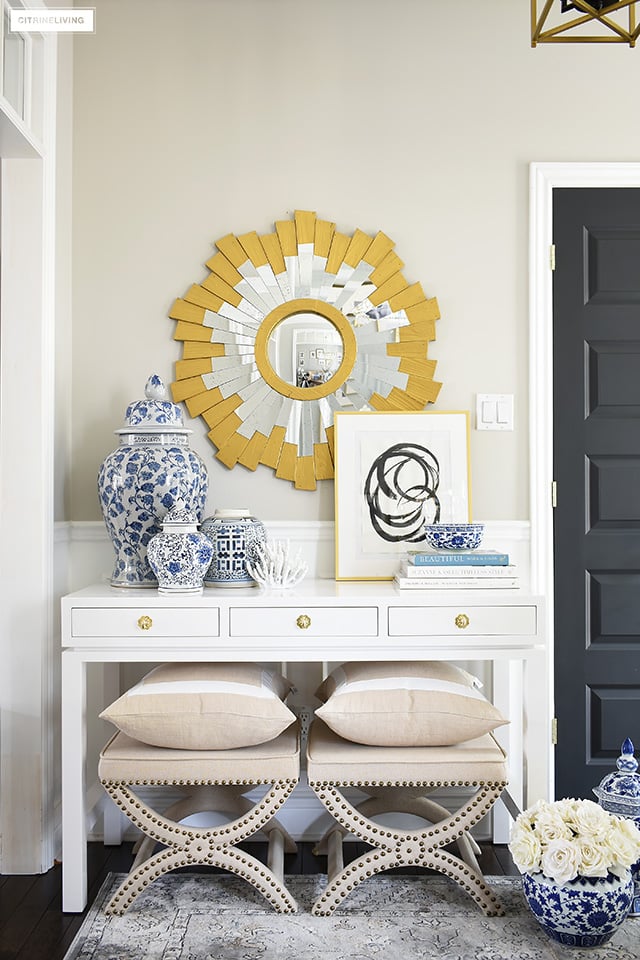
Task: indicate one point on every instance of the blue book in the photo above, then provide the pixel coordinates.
(447, 558)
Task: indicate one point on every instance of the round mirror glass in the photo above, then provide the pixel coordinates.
(305, 350)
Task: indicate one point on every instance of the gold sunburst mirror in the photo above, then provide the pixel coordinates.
(292, 326)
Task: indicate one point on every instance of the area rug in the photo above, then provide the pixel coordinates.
(218, 917)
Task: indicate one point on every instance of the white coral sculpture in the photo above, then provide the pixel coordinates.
(273, 566)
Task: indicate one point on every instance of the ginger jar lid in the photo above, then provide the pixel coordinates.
(180, 519)
(619, 792)
(154, 414)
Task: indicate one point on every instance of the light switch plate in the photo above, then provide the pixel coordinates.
(494, 411)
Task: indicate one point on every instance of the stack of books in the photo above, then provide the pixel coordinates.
(456, 569)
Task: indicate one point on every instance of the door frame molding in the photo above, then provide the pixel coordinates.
(543, 179)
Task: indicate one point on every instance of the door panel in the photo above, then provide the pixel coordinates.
(596, 346)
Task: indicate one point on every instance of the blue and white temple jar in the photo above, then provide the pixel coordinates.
(180, 555)
(235, 534)
(151, 471)
(619, 793)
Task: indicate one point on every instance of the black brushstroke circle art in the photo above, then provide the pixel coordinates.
(401, 492)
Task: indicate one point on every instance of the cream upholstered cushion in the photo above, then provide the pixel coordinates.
(129, 761)
(204, 706)
(406, 704)
(331, 759)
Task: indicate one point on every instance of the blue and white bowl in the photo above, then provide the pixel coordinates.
(454, 536)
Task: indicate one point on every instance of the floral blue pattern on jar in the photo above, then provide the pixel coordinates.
(151, 471)
(584, 912)
(180, 555)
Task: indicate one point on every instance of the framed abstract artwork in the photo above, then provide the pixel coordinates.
(394, 472)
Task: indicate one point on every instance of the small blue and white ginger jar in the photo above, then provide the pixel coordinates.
(235, 534)
(150, 472)
(180, 555)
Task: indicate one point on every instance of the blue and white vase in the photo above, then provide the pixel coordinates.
(234, 534)
(151, 471)
(584, 912)
(619, 793)
(180, 555)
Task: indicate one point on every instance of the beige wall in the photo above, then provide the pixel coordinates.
(416, 117)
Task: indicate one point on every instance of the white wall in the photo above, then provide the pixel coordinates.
(418, 118)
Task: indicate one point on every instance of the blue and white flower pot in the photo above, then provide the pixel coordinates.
(150, 472)
(584, 912)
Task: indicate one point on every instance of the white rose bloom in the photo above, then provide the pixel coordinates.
(567, 808)
(550, 826)
(623, 843)
(530, 815)
(526, 850)
(560, 860)
(630, 829)
(590, 819)
(594, 858)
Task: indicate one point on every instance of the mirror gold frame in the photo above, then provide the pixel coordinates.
(306, 267)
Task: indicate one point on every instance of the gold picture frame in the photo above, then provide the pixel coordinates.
(396, 471)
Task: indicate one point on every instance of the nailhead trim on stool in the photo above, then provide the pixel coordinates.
(211, 846)
(399, 847)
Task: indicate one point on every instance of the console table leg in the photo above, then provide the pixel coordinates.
(74, 826)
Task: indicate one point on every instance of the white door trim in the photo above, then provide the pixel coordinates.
(29, 641)
(543, 179)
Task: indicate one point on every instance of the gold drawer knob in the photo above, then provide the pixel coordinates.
(303, 621)
(461, 621)
(145, 622)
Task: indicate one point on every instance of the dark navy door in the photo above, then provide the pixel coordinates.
(596, 383)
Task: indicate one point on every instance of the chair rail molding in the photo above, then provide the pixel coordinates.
(86, 549)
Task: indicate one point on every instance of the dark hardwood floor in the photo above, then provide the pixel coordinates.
(33, 926)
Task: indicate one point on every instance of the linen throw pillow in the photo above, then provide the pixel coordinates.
(406, 704)
(204, 706)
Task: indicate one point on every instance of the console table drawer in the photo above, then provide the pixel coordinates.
(303, 621)
(141, 622)
(414, 621)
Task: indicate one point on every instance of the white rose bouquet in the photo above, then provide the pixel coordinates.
(570, 838)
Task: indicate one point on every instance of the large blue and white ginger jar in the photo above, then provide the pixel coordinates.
(180, 555)
(150, 472)
(584, 912)
(235, 534)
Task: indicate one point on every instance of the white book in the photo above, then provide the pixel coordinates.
(456, 583)
(408, 569)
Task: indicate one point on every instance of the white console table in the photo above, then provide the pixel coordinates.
(318, 621)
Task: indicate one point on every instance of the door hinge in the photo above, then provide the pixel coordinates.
(552, 256)
(554, 731)
(554, 494)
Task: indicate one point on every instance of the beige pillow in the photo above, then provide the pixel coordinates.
(406, 704)
(204, 706)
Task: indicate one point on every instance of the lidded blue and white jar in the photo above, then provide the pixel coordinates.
(235, 534)
(619, 793)
(180, 555)
(150, 472)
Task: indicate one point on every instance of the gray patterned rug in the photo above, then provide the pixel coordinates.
(218, 917)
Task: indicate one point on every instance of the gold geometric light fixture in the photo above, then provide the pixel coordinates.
(584, 21)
